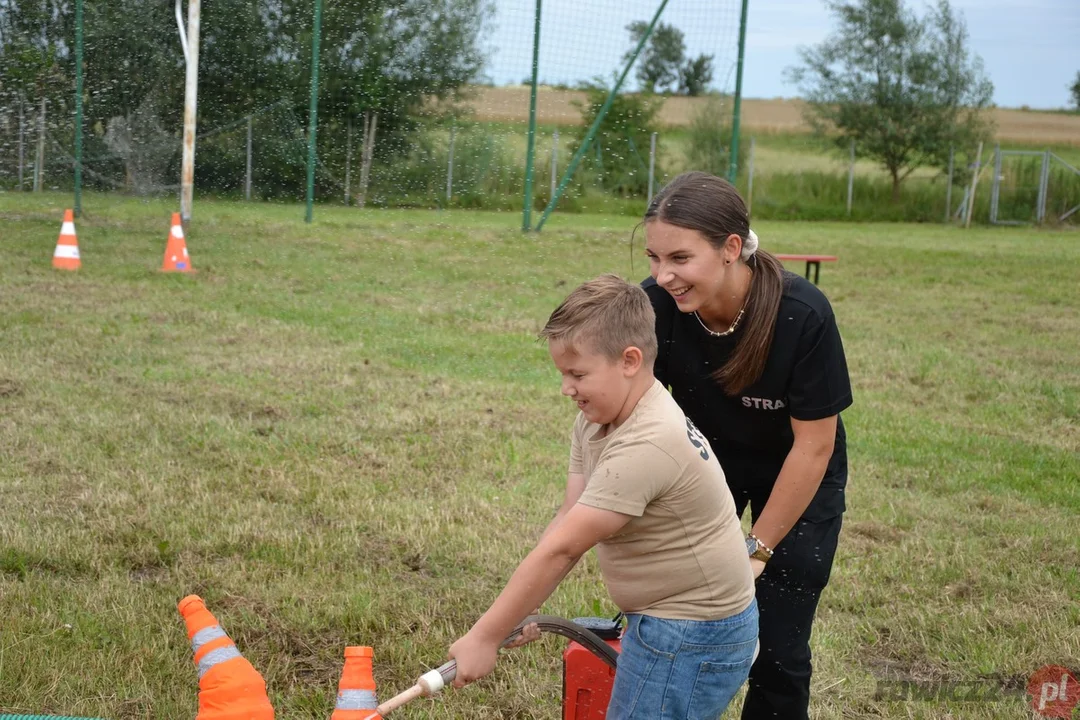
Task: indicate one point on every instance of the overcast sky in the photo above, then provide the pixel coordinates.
(1030, 48)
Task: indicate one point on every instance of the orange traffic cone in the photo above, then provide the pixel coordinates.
(229, 687)
(176, 254)
(356, 690)
(66, 255)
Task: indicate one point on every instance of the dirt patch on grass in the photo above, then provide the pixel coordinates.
(874, 532)
(10, 388)
(932, 677)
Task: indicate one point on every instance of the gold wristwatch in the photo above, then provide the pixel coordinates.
(757, 549)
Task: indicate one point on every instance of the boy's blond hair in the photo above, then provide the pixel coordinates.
(607, 315)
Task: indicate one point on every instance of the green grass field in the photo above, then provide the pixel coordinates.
(346, 433)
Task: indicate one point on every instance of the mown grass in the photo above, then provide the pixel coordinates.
(346, 433)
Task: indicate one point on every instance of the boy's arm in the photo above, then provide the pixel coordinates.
(535, 579)
(575, 485)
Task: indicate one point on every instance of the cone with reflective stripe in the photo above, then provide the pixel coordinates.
(66, 255)
(229, 687)
(176, 254)
(356, 698)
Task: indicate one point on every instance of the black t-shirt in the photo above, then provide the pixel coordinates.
(805, 378)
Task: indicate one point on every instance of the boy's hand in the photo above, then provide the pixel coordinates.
(757, 566)
(475, 658)
(528, 634)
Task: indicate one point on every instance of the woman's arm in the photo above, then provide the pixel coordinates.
(798, 481)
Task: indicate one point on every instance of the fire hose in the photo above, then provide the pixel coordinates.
(433, 681)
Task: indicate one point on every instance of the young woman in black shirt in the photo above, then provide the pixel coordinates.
(752, 354)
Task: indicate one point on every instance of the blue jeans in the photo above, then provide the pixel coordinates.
(682, 669)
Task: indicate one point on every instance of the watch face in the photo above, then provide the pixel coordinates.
(751, 546)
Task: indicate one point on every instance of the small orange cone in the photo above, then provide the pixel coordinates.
(356, 698)
(229, 687)
(176, 254)
(66, 255)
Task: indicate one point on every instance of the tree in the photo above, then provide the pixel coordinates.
(696, 75)
(384, 57)
(903, 88)
(33, 56)
(1075, 91)
(659, 66)
(708, 137)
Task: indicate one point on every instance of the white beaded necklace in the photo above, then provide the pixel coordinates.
(723, 333)
(734, 324)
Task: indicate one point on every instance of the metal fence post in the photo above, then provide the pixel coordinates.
(39, 163)
(554, 160)
(851, 178)
(736, 116)
(1044, 182)
(450, 165)
(313, 110)
(974, 186)
(22, 139)
(652, 163)
(78, 105)
(348, 159)
(948, 190)
(750, 177)
(995, 189)
(530, 140)
(247, 174)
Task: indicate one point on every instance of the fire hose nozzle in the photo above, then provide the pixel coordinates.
(435, 680)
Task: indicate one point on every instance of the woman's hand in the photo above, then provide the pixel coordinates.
(475, 658)
(757, 566)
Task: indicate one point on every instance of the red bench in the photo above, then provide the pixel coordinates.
(812, 261)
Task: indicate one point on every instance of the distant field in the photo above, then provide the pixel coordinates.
(511, 104)
(346, 432)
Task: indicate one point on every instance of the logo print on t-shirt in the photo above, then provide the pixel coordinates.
(763, 403)
(697, 440)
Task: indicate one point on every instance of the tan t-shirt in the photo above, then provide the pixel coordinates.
(682, 555)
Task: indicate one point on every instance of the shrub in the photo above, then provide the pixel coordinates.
(619, 156)
(709, 139)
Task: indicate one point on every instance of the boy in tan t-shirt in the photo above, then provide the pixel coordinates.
(646, 490)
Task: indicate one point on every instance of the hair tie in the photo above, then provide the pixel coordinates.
(749, 246)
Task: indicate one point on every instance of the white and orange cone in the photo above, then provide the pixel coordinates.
(66, 255)
(176, 253)
(230, 688)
